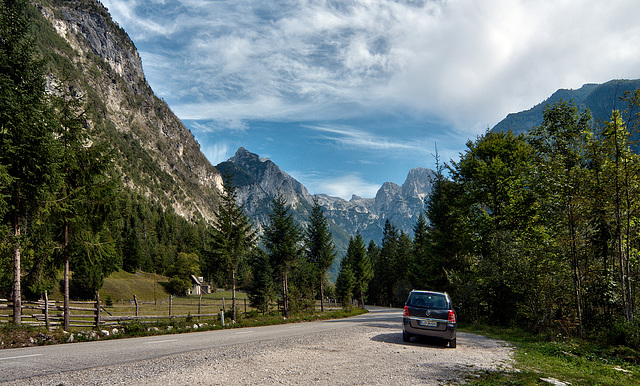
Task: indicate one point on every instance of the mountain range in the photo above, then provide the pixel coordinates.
(600, 99)
(258, 180)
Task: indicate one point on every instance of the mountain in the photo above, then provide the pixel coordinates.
(258, 180)
(600, 99)
(155, 154)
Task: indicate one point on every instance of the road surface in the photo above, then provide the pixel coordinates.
(366, 349)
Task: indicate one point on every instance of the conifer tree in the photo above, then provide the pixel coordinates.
(360, 265)
(320, 249)
(82, 194)
(233, 237)
(345, 283)
(261, 289)
(26, 137)
(283, 240)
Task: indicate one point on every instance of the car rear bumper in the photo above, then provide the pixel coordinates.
(444, 329)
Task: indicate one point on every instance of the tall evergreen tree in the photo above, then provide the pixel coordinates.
(345, 283)
(26, 137)
(82, 190)
(233, 237)
(360, 265)
(319, 245)
(283, 240)
(261, 288)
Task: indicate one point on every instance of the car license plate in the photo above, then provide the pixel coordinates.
(428, 323)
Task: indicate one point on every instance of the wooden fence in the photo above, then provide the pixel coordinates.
(95, 314)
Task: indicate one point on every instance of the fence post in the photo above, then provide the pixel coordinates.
(170, 303)
(199, 304)
(245, 306)
(97, 310)
(135, 300)
(46, 311)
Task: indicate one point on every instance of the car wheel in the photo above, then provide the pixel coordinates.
(406, 337)
(452, 343)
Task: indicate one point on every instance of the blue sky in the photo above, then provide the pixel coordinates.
(345, 95)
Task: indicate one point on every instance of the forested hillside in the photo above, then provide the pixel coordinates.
(97, 174)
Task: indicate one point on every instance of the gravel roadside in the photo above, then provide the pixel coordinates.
(364, 354)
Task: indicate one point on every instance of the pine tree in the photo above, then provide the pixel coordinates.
(261, 289)
(26, 137)
(320, 249)
(345, 283)
(233, 236)
(360, 265)
(82, 191)
(283, 240)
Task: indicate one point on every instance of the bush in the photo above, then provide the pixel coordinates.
(178, 285)
(625, 333)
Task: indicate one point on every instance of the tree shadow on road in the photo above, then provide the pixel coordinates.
(396, 338)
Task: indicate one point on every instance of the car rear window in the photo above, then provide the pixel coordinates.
(428, 300)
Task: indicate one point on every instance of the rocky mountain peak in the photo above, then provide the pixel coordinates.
(419, 183)
(258, 180)
(245, 158)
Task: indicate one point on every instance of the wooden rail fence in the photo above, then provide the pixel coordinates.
(97, 314)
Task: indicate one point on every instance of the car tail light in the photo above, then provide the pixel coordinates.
(406, 311)
(452, 316)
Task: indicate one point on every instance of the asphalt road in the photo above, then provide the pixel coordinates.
(22, 363)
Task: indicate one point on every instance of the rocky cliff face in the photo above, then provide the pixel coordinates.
(157, 155)
(259, 180)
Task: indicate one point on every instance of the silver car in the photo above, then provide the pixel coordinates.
(429, 314)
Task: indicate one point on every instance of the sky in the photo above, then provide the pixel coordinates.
(345, 95)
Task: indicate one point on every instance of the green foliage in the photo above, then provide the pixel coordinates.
(390, 285)
(320, 249)
(180, 272)
(27, 145)
(570, 360)
(232, 241)
(358, 270)
(261, 289)
(345, 284)
(283, 239)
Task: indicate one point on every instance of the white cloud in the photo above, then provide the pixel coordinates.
(343, 186)
(467, 62)
(217, 153)
(357, 138)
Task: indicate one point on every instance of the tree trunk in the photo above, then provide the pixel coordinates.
(285, 294)
(233, 294)
(575, 274)
(65, 253)
(362, 299)
(17, 293)
(321, 293)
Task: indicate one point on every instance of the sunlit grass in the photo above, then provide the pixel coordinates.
(569, 360)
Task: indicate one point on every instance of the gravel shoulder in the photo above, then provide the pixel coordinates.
(369, 353)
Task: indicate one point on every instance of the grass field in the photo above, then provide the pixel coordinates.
(568, 360)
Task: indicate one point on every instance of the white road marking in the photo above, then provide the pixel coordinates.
(21, 356)
(162, 341)
(244, 332)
